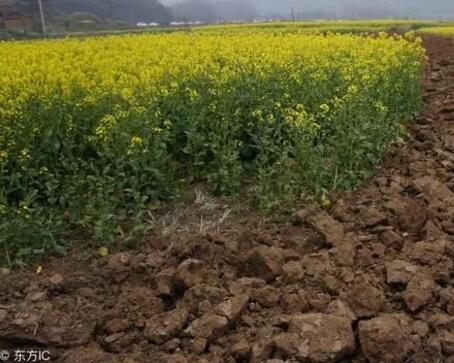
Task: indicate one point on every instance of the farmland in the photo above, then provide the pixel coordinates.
(273, 27)
(239, 193)
(340, 26)
(94, 131)
(442, 30)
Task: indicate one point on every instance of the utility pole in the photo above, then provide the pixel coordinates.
(218, 15)
(41, 13)
(293, 14)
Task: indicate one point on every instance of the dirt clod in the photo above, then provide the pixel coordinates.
(190, 273)
(385, 339)
(3, 314)
(332, 231)
(293, 272)
(400, 272)
(233, 307)
(207, 326)
(323, 338)
(365, 298)
(198, 345)
(165, 282)
(241, 350)
(290, 345)
(426, 252)
(56, 280)
(419, 291)
(267, 296)
(447, 342)
(371, 217)
(339, 308)
(161, 328)
(264, 263)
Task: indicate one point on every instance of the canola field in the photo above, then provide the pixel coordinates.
(93, 132)
(321, 27)
(439, 30)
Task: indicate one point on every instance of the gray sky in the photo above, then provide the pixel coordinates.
(409, 7)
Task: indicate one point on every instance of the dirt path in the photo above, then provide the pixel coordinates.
(370, 280)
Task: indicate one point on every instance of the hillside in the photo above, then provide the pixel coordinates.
(131, 11)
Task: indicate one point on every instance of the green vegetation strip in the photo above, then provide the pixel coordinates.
(94, 132)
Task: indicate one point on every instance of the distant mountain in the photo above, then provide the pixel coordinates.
(22, 6)
(194, 10)
(210, 11)
(422, 8)
(130, 11)
(237, 10)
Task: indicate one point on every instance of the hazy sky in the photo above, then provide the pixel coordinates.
(423, 7)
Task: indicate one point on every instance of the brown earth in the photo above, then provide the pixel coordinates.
(370, 280)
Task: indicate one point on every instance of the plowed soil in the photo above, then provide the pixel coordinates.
(369, 280)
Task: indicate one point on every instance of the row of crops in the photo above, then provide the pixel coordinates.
(322, 27)
(439, 30)
(364, 26)
(93, 132)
